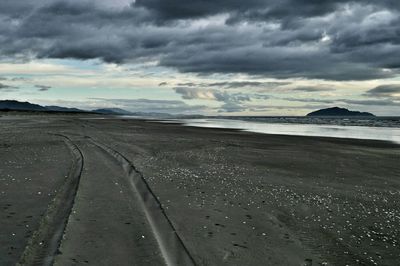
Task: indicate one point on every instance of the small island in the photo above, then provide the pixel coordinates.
(337, 111)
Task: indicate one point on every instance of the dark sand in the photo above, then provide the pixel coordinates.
(234, 198)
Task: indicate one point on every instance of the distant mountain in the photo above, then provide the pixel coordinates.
(154, 115)
(64, 109)
(112, 111)
(11, 105)
(337, 111)
(20, 106)
(119, 111)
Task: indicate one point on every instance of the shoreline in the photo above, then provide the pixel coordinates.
(361, 141)
(232, 197)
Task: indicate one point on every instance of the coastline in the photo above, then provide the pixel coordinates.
(301, 133)
(234, 197)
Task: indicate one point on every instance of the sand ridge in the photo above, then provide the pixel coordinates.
(44, 243)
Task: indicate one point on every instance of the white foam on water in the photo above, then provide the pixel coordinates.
(336, 131)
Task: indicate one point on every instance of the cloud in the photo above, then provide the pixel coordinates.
(332, 40)
(189, 93)
(193, 93)
(19, 79)
(366, 102)
(188, 84)
(250, 9)
(388, 91)
(313, 88)
(43, 87)
(235, 84)
(252, 84)
(372, 102)
(310, 100)
(7, 88)
(148, 105)
(231, 102)
(232, 108)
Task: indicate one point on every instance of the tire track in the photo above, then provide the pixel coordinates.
(45, 241)
(171, 245)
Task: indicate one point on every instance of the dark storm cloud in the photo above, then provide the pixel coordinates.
(385, 91)
(250, 9)
(373, 102)
(181, 9)
(336, 40)
(367, 102)
(278, 62)
(309, 100)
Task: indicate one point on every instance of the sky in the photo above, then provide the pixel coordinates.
(210, 57)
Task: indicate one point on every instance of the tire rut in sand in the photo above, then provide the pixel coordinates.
(45, 241)
(171, 245)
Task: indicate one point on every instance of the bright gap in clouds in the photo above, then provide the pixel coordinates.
(208, 57)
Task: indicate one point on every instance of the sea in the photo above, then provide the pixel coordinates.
(372, 128)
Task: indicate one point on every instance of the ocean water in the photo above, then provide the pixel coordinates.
(387, 129)
(338, 121)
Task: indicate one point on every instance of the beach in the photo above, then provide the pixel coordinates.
(101, 190)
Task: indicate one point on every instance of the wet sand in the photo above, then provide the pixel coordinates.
(157, 194)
